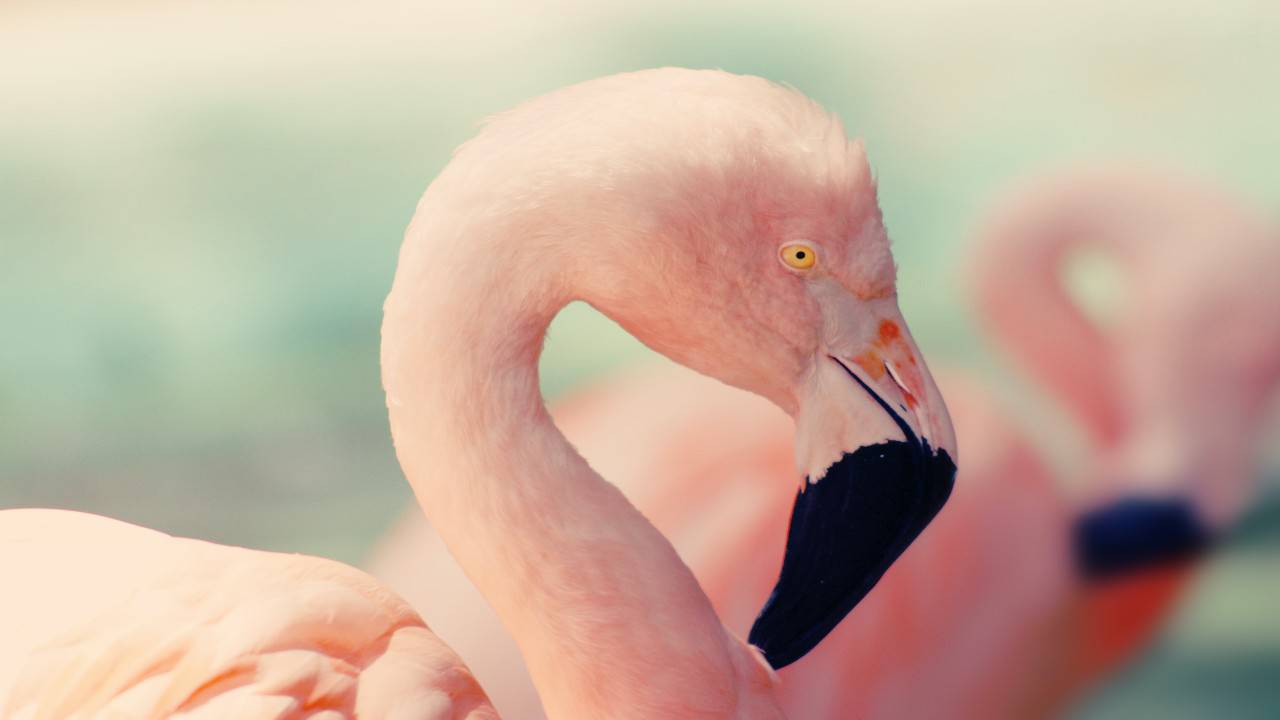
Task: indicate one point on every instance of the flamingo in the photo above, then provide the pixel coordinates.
(725, 221)
(1020, 598)
(1172, 394)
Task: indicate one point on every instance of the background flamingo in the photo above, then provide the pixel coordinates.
(1190, 358)
(1025, 631)
(661, 197)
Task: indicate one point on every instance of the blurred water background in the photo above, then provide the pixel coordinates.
(200, 207)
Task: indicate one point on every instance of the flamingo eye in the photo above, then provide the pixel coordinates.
(798, 256)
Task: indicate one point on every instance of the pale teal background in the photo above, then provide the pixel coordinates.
(200, 207)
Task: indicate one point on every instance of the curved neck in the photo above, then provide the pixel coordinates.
(1018, 280)
(610, 621)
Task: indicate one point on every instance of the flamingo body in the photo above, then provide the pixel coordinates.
(116, 620)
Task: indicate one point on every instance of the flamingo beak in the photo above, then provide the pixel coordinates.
(878, 452)
(1135, 533)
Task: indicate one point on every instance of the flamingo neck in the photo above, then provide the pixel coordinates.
(610, 621)
(1021, 294)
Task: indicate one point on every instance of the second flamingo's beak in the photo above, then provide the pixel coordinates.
(877, 451)
(1136, 533)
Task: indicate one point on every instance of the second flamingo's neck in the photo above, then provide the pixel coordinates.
(610, 621)
(1018, 281)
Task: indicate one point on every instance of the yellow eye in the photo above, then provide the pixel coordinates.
(799, 256)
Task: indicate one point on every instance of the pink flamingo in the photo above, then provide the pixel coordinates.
(725, 221)
(1187, 367)
(990, 610)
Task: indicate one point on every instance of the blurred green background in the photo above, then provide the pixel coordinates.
(200, 207)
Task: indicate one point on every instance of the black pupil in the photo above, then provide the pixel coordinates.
(800, 255)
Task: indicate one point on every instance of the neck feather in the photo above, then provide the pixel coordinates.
(610, 621)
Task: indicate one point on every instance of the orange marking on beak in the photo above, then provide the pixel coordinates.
(871, 364)
(889, 331)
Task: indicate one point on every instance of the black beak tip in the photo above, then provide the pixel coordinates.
(846, 530)
(1135, 533)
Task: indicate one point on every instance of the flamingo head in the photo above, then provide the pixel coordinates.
(755, 252)
(1184, 469)
(728, 223)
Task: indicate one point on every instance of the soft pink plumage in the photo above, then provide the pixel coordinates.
(132, 623)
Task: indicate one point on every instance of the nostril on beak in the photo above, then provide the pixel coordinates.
(893, 373)
(907, 396)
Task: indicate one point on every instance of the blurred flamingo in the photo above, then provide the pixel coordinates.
(1021, 596)
(1187, 363)
(724, 220)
